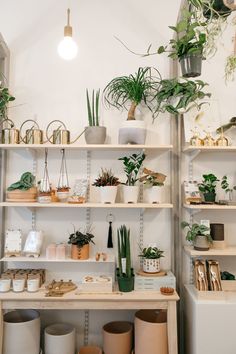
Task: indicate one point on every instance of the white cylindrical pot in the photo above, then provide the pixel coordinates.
(59, 339)
(108, 194)
(118, 337)
(5, 285)
(132, 132)
(21, 332)
(151, 265)
(151, 332)
(153, 195)
(130, 194)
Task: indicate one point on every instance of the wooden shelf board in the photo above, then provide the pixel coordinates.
(85, 147)
(228, 251)
(110, 259)
(88, 205)
(210, 207)
(189, 148)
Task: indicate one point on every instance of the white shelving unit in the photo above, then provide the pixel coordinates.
(40, 259)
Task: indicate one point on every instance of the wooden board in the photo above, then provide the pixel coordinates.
(21, 200)
(162, 273)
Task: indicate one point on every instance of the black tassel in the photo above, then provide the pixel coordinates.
(109, 240)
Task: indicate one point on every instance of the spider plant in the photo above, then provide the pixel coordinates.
(92, 107)
(130, 91)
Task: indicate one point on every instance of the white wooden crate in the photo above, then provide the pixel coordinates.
(154, 283)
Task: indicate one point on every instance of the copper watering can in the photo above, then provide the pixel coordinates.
(33, 135)
(9, 135)
(60, 135)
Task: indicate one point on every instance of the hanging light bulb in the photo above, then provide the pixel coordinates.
(67, 48)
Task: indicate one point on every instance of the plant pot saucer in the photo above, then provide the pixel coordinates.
(157, 274)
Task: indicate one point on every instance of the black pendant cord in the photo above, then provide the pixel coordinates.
(109, 240)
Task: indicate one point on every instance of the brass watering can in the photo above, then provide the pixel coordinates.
(33, 135)
(60, 135)
(9, 135)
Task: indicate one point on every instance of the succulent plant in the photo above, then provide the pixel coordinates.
(106, 178)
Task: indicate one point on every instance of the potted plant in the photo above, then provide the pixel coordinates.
(80, 244)
(176, 96)
(187, 46)
(153, 181)
(227, 188)
(132, 166)
(94, 134)
(208, 187)
(108, 185)
(22, 190)
(151, 259)
(5, 98)
(129, 92)
(198, 235)
(125, 275)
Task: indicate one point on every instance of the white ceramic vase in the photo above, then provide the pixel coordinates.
(130, 194)
(21, 332)
(151, 265)
(132, 132)
(153, 195)
(59, 339)
(108, 194)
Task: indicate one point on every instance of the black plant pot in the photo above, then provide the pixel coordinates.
(191, 65)
(219, 6)
(209, 197)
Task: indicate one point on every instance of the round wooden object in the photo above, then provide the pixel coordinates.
(162, 273)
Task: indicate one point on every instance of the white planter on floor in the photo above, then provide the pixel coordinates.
(59, 339)
(132, 132)
(21, 332)
(108, 194)
(153, 195)
(130, 194)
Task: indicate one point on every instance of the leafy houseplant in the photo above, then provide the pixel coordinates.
(198, 235)
(5, 98)
(125, 274)
(80, 244)
(107, 184)
(128, 92)
(151, 259)
(132, 165)
(226, 187)
(94, 134)
(24, 189)
(152, 180)
(178, 97)
(208, 187)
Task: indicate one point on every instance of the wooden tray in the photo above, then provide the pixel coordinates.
(21, 200)
(162, 273)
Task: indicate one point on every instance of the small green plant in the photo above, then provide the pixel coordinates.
(93, 108)
(225, 185)
(5, 98)
(187, 93)
(151, 253)
(130, 91)
(195, 230)
(124, 254)
(132, 166)
(26, 182)
(106, 178)
(80, 239)
(230, 68)
(152, 179)
(208, 184)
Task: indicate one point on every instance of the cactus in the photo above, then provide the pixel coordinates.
(123, 236)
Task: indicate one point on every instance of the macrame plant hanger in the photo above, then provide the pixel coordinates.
(110, 220)
(45, 185)
(63, 179)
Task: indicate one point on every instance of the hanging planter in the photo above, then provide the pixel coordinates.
(44, 194)
(191, 65)
(63, 188)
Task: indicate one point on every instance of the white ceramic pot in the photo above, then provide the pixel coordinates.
(5, 285)
(151, 265)
(18, 285)
(153, 194)
(63, 196)
(33, 285)
(108, 194)
(130, 194)
(132, 132)
(59, 339)
(21, 332)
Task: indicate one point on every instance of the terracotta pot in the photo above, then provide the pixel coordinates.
(90, 350)
(26, 196)
(80, 252)
(108, 194)
(117, 337)
(151, 332)
(130, 194)
(59, 339)
(151, 265)
(21, 332)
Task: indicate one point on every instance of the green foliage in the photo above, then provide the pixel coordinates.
(80, 239)
(195, 230)
(211, 8)
(225, 185)
(151, 253)
(106, 178)
(230, 67)
(151, 178)
(5, 98)
(26, 182)
(132, 90)
(93, 108)
(188, 92)
(123, 238)
(208, 184)
(132, 166)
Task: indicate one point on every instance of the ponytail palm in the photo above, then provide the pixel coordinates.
(130, 91)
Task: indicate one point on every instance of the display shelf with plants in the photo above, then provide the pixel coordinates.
(229, 251)
(43, 258)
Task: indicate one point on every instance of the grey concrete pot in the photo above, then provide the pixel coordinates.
(59, 339)
(132, 132)
(191, 65)
(201, 243)
(95, 135)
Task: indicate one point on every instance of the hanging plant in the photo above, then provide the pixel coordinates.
(63, 183)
